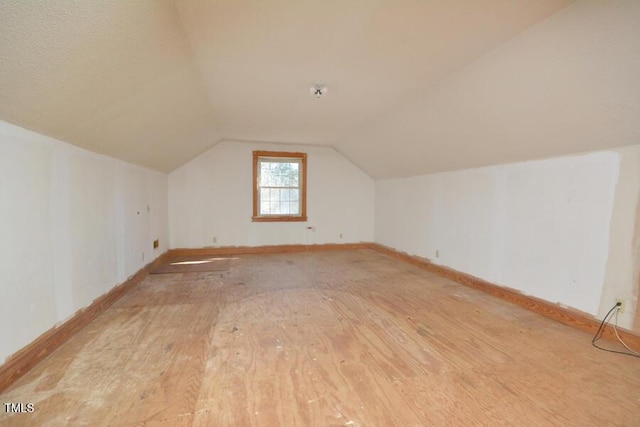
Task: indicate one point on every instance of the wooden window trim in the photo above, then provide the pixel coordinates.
(280, 218)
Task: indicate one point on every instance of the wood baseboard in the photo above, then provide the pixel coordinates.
(272, 249)
(26, 358)
(571, 317)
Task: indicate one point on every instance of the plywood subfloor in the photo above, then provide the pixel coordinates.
(324, 339)
(196, 264)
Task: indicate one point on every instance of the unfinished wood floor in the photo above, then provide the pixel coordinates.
(324, 339)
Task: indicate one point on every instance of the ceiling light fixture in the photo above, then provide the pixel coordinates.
(318, 90)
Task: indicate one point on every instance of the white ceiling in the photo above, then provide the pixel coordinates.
(157, 82)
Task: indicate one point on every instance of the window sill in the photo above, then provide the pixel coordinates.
(279, 218)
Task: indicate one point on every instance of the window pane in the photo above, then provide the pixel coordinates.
(295, 173)
(294, 208)
(264, 200)
(274, 207)
(279, 174)
(265, 174)
(275, 174)
(279, 201)
(277, 178)
(287, 173)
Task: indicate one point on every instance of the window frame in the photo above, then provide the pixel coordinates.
(279, 155)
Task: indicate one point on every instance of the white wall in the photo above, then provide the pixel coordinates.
(211, 196)
(623, 265)
(73, 224)
(541, 227)
(564, 229)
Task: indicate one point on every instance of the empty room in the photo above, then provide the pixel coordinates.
(319, 212)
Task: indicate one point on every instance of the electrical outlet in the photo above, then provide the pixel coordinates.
(156, 244)
(437, 253)
(341, 235)
(214, 239)
(622, 305)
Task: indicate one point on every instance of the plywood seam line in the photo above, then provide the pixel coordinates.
(570, 317)
(29, 356)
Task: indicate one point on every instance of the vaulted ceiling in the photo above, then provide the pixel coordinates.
(156, 82)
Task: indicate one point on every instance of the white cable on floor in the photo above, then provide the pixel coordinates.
(615, 329)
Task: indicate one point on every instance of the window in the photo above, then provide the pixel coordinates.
(279, 186)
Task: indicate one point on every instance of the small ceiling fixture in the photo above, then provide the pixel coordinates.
(318, 90)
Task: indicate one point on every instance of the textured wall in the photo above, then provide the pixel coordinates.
(540, 227)
(73, 224)
(623, 265)
(212, 196)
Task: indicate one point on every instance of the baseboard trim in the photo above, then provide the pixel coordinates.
(271, 249)
(570, 317)
(29, 356)
(25, 359)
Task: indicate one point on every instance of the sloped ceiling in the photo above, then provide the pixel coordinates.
(156, 82)
(115, 77)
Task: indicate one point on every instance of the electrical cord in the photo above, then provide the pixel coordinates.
(598, 334)
(615, 329)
